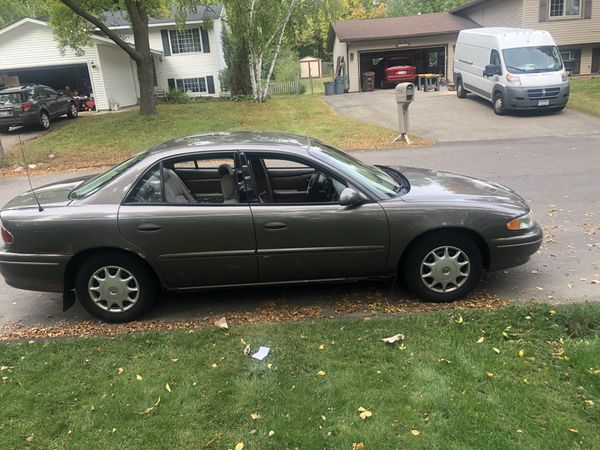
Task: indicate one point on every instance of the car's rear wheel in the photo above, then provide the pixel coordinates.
(442, 267)
(460, 89)
(115, 287)
(499, 106)
(72, 112)
(44, 120)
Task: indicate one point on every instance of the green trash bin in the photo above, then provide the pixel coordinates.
(329, 87)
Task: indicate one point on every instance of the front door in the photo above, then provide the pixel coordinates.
(198, 233)
(303, 233)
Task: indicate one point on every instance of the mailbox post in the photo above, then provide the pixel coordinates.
(405, 94)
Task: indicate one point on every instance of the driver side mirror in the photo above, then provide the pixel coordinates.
(491, 70)
(351, 197)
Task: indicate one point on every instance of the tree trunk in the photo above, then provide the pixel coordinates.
(145, 63)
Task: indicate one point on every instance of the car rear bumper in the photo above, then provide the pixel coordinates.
(400, 79)
(516, 250)
(33, 272)
(19, 120)
(549, 97)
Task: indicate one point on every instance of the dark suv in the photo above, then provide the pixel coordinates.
(33, 104)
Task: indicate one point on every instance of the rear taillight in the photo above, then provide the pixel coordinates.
(6, 236)
(26, 106)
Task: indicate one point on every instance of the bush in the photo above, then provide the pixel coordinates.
(178, 96)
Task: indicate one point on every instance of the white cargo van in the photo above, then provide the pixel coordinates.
(513, 68)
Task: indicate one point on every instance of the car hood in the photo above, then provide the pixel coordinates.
(431, 186)
(50, 195)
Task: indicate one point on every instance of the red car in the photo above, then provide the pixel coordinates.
(395, 69)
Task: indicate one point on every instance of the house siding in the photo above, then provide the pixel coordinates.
(189, 65)
(443, 40)
(340, 50)
(507, 13)
(119, 76)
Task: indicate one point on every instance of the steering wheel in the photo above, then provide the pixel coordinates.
(316, 183)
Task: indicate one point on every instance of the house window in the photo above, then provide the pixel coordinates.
(186, 41)
(191, 84)
(565, 8)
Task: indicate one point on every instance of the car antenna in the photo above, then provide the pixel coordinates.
(40, 209)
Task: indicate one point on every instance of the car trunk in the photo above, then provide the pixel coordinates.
(52, 195)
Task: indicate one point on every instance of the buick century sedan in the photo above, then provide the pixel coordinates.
(243, 209)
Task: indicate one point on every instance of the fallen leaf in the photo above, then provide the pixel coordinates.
(120, 371)
(138, 377)
(521, 353)
(255, 416)
(539, 288)
(323, 418)
(447, 361)
(70, 433)
(552, 312)
(363, 415)
(595, 281)
(358, 446)
(168, 387)
(573, 430)
(497, 350)
(321, 373)
(271, 433)
(239, 446)
(322, 347)
(269, 365)
(148, 410)
(222, 323)
(490, 375)
(29, 438)
(480, 340)
(460, 319)
(214, 366)
(590, 402)
(415, 432)
(393, 339)
(174, 359)
(114, 429)
(247, 350)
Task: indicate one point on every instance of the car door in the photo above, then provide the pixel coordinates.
(57, 104)
(195, 241)
(314, 239)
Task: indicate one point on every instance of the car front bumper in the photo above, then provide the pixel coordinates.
(33, 272)
(515, 250)
(548, 97)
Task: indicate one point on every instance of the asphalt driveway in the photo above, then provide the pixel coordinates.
(444, 117)
(557, 175)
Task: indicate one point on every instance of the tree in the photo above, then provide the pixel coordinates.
(410, 7)
(74, 20)
(14, 10)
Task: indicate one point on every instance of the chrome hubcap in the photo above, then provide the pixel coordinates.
(498, 104)
(73, 110)
(45, 120)
(113, 289)
(445, 269)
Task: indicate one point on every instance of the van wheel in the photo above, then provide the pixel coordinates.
(460, 89)
(499, 107)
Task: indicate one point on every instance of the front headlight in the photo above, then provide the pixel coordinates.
(564, 76)
(521, 223)
(513, 79)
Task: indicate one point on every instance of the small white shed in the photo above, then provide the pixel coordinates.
(310, 67)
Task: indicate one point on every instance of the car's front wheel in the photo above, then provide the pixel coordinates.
(115, 287)
(73, 112)
(44, 120)
(442, 267)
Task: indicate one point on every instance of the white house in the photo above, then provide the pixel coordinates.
(189, 59)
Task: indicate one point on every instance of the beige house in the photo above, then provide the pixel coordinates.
(429, 39)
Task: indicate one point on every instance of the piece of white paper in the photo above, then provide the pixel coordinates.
(394, 338)
(261, 353)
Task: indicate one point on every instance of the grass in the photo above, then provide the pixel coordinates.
(431, 392)
(585, 95)
(109, 138)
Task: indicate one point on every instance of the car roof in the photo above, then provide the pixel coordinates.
(229, 139)
(21, 88)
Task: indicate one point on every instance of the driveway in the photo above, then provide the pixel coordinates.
(444, 117)
(557, 175)
(23, 134)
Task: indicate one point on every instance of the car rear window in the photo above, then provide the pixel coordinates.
(11, 97)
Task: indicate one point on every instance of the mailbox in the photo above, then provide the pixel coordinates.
(405, 94)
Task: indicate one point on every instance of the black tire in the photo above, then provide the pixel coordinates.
(132, 304)
(4, 129)
(72, 113)
(44, 120)
(461, 92)
(499, 106)
(416, 267)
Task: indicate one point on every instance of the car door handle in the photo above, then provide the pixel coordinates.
(275, 225)
(149, 227)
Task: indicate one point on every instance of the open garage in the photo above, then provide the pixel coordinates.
(426, 40)
(75, 76)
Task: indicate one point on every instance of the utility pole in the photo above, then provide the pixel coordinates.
(2, 156)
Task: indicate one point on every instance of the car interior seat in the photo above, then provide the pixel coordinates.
(228, 184)
(175, 189)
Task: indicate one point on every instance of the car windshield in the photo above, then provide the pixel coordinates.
(532, 59)
(10, 97)
(93, 184)
(375, 178)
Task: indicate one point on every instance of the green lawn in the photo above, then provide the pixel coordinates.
(533, 381)
(585, 95)
(109, 138)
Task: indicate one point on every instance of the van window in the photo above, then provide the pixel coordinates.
(532, 59)
(495, 58)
